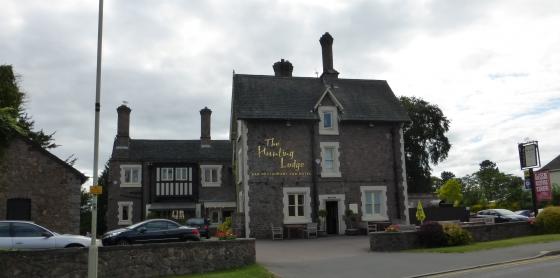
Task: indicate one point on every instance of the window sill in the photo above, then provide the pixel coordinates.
(125, 222)
(331, 175)
(375, 218)
(297, 220)
(215, 184)
(131, 185)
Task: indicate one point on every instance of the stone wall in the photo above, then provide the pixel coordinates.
(29, 172)
(151, 260)
(385, 241)
(369, 156)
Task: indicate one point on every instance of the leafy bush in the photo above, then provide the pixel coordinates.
(456, 235)
(477, 208)
(392, 228)
(548, 221)
(224, 230)
(431, 234)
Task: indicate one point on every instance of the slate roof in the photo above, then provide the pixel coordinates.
(83, 178)
(271, 97)
(185, 151)
(552, 165)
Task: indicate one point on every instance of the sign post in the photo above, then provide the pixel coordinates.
(529, 158)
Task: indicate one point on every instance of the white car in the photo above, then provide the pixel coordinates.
(24, 235)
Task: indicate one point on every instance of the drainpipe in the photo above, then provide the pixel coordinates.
(396, 173)
(315, 196)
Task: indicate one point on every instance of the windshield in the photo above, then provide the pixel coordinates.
(198, 221)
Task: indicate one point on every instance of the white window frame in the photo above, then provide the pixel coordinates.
(306, 217)
(127, 204)
(382, 216)
(164, 173)
(335, 171)
(203, 181)
(131, 168)
(179, 173)
(333, 129)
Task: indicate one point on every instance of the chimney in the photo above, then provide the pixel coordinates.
(123, 125)
(283, 68)
(205, 127)
(326, 45)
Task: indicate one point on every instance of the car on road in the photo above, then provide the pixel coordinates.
(202, 224)
(150, 231)
(25, 235)
(525, 212)
(501, 215)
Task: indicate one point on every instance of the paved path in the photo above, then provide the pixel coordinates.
(348, 257)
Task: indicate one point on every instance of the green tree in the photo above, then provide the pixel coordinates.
(424, 141)
(445, 176)
(451, 191)
(13, 117)
(472, 193)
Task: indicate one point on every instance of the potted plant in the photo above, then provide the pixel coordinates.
(322, 221)
(351, 218)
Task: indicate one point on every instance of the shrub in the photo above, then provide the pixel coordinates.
(392, 228)
(431, 234)
(548, 221)
(456, 235)
(224, 230)
(476, 208)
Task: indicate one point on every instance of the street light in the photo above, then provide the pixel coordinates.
(92, 255)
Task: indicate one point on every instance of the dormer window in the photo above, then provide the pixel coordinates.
(329, 120)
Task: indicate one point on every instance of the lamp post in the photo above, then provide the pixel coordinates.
(92, 255)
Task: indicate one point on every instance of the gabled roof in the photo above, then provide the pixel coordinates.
(184, 151)
(552, 165)
(328, 92)
(83, 178)
(271, 97)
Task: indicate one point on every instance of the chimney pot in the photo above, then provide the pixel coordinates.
(326, 48)
(283, 68)
(123, 125)
(205, 138)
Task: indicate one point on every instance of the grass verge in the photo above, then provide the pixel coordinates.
(252, 271)
(479, 246)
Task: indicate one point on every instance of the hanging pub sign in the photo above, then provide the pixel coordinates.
(529, 155)
(542, 186)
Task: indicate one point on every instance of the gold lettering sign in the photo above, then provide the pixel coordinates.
(285, 159)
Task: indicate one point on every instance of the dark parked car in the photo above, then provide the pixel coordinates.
(502, 215)
(202, 224)
(153, 230)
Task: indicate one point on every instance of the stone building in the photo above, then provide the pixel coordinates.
(305, 144)
(177, 179)
(36, 185)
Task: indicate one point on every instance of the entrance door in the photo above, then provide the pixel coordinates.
(332, 217)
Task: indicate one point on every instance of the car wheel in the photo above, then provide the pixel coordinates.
(208, 236)
(123, 242)
(74, 245)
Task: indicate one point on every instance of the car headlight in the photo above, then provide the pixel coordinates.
(113, 234)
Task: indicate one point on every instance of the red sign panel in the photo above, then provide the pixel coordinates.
(542, 186)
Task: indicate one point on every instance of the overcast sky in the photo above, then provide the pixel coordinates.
(493, 67)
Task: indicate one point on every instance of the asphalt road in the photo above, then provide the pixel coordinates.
(545, 267)
(348, 257)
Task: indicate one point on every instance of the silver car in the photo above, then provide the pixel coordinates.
(24, 235)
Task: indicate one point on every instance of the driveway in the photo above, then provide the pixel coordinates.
(349, 256)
